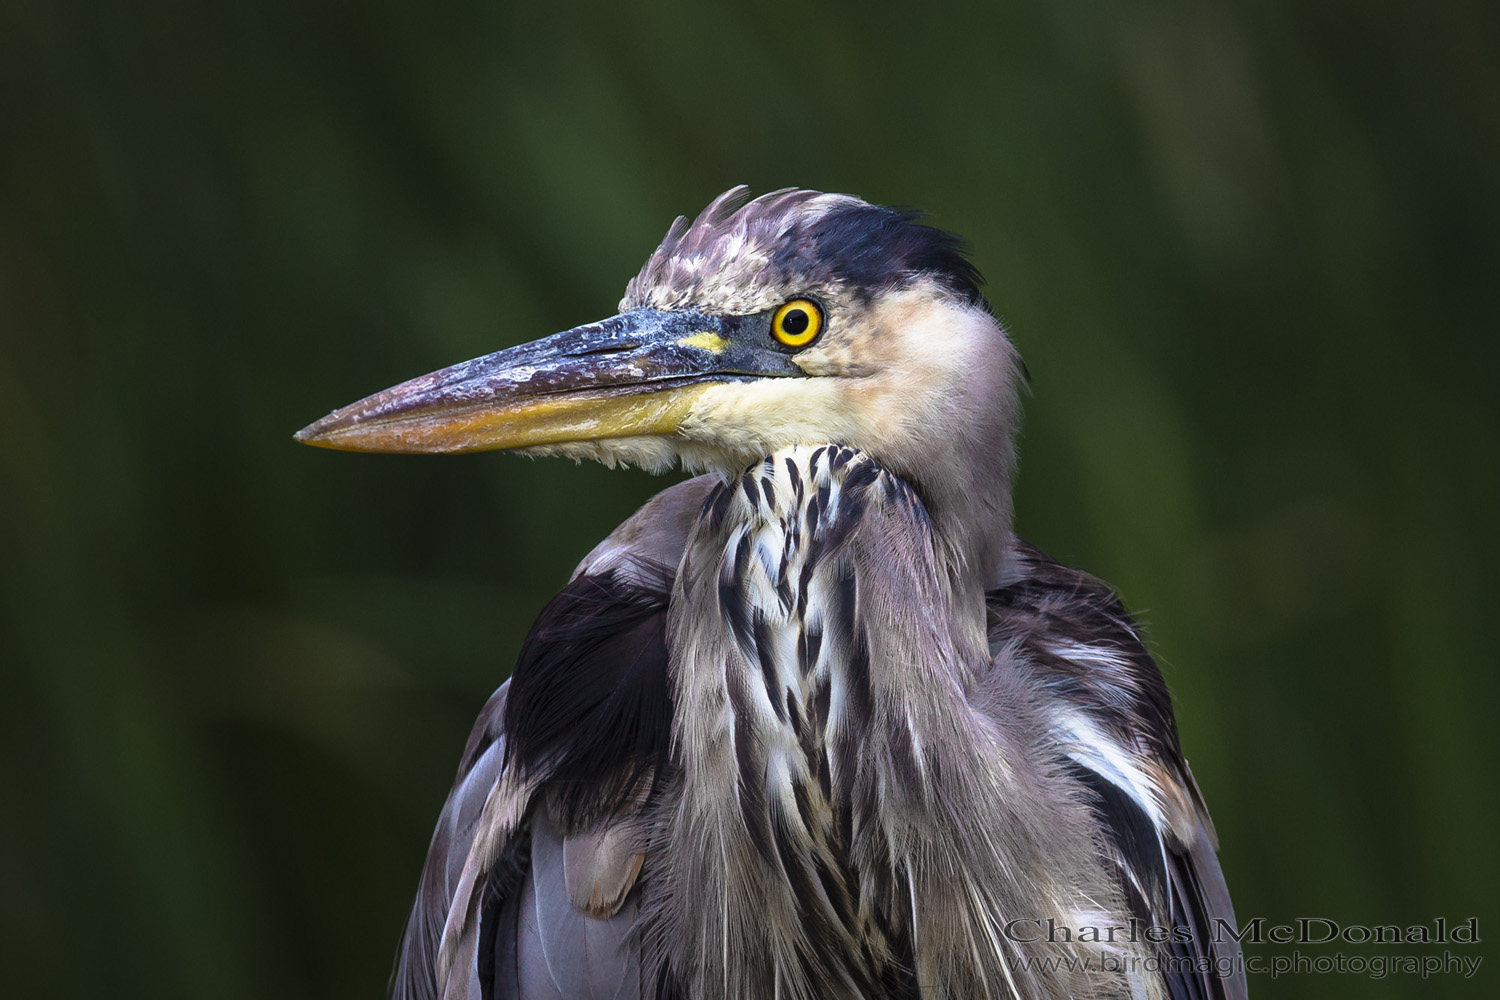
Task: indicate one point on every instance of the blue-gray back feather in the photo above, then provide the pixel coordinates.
(560, 952)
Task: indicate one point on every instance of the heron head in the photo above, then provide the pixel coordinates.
(794, 318)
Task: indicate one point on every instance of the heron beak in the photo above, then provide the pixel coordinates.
(634, 374)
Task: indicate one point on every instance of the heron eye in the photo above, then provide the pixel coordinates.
(797, 323)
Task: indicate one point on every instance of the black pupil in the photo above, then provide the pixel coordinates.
(795, 322)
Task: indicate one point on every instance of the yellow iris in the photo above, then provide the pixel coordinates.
(797, 322)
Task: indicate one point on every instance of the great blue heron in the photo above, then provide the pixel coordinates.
(817, 725)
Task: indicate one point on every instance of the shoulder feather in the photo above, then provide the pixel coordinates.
(1112, 723)
(583, 719)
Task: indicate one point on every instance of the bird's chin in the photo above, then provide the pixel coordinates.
(655, 454)
(650, 452)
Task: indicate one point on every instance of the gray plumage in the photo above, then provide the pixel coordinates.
(1009, 832)
(818, 725)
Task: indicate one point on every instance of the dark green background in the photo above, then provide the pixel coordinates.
(1249, 251)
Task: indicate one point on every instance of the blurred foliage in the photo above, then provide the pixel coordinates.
(1248, 249)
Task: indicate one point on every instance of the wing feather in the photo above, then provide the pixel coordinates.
(583, 957)
(415, 974)
(1114, 731)
(556, 754)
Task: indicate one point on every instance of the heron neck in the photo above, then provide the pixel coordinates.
(820, 652)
